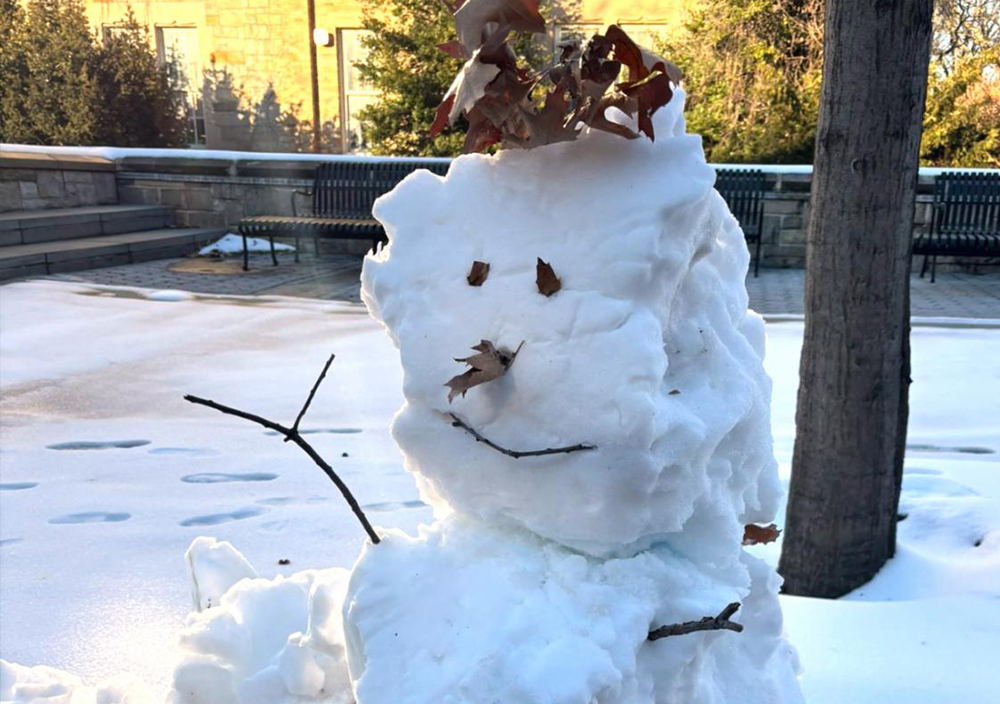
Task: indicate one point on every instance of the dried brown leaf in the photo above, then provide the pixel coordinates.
(472, 18)
(651, 93)
(478, 273)
(491, 363)
(470, 85)
(651, 60)
(549, 124)
(596, 118)
(756, 535)
(453, 49)
(441, 118)
(628, 52)
(482, 133)
(546, 279)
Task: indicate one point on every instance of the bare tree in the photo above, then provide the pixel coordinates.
(854, 376)
(964, 27)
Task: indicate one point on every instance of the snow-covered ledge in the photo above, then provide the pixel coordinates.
(211, 188)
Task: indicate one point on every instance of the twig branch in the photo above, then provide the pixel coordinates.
(517, 454)
(305, 406)
(709, 623)
(293, 435)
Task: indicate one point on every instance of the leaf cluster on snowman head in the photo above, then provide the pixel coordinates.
(523, 107)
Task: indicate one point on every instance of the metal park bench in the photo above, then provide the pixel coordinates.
(965, 221)
(743, 190)
(343, 193)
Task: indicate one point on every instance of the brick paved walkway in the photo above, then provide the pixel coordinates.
(953, 295)
(335, 277)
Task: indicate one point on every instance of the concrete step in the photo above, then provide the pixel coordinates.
(42, 258)
(22, 227)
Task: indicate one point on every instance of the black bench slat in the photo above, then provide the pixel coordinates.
(743, 191)
(342, 197)
(965, 219)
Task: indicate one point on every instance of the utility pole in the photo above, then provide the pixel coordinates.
(314, 79)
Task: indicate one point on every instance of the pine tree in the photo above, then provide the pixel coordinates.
(138, 103)
(58, 86)
(13, 71)
(412, 75)
(52, 94)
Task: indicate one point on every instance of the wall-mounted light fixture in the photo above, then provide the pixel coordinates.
(323, 37)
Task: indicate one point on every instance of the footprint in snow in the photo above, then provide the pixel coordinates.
(221, 477)
(287, 500)
(91, 517)
(214, 519)
(18, 486)
(968, 450)
(188, 451)
(393, 505)
(317, 431)
(97, 444)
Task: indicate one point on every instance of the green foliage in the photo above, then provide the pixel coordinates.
(59, 86)
(753, 71)
(137, 103)
(962, 117)
(13, 68)
(412, 75)
(51, 93)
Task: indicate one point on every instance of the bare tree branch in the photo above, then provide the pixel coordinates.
(293, 435)
(517, 454)
(709, 623)
(305, 406)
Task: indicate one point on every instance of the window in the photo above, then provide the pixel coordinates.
(566, 33)
(645, 35)
(354, 93)
(177, 48)
(109, 31)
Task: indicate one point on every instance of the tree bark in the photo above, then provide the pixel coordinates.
(852, 409)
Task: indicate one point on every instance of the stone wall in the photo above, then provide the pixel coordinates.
(217, 193)
(42, 181)
(210, 191)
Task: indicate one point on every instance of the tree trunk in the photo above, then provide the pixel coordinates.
(852, 410)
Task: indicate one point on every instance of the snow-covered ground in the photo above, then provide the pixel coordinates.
(108, 475)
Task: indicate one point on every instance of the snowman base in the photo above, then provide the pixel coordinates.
(467, 612)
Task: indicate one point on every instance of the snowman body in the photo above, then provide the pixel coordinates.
(543, 575)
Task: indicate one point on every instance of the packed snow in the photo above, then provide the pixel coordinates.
(99, 373)
(647, 355)
(233, 244)
(647, 352)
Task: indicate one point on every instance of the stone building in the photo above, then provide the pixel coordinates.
(246, 63)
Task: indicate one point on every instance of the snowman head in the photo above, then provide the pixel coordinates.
(645, 354)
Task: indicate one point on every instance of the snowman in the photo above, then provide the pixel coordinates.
(586, 407)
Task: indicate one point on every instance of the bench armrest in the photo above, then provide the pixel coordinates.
(307, 192)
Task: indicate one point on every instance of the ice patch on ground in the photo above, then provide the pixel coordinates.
(169, 296)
